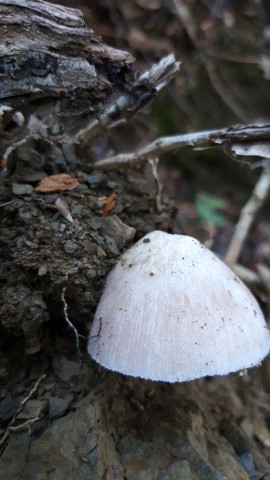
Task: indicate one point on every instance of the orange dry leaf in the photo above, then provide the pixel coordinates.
(109, 204)
(57, 183)
(3, 163)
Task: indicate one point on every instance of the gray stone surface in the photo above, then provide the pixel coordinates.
(124, 428)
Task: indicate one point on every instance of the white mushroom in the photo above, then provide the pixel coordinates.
(172, 311)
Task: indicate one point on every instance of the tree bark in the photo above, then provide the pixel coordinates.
(47, 52)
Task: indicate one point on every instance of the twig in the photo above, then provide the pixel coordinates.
(249, 277)
(10, 426)
(33, 390)
(7, 203)
(184, 13)
(32, 129)
(24, 425)
(15, 145)
(247, 215)
(154, 164)
(206, 139)
(156, 148)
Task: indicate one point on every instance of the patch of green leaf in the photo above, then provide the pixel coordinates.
(207, 208)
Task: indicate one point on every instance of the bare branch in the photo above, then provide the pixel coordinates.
(248, 213)
(185, 15)
(206, 139)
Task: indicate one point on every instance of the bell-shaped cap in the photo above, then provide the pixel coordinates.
(172, 311)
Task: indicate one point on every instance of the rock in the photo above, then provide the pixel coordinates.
(114, 227)
(43, 269)
(4, 363)
(179, 470)
(69, 371)
(95, 179)
(59, 406)
(111, 184)
(247, 463)
(89, 247)
(94, 222)
(69, 448)
(70, 247)
(100, 252)
(111, 246)
(50, 197)
(7, 408)
(14, 457)
(32, 409)
(62, 227)
(55, 227)
(30, 244)
(26, 214)
(175, 436)
(22, 189)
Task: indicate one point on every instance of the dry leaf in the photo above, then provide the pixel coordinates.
(109, 205)
(57, 183)
(3, 163)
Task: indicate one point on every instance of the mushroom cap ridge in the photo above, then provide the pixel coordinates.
(172, 311)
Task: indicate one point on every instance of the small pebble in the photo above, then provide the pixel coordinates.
(55, 227)
(100, 252)
(111, 246)
(30, 244)
(94, 223)
(70, 246)
(111, 184)
(22, 189)
(42, 270)
(95, 179)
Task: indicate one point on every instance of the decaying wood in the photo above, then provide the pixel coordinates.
(47, 52)
(49, 58)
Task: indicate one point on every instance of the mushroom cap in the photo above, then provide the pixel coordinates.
(172, 311)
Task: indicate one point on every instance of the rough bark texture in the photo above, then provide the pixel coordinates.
(48, 52)
(80, 421)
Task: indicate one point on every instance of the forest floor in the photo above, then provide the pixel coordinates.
(61, 415)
